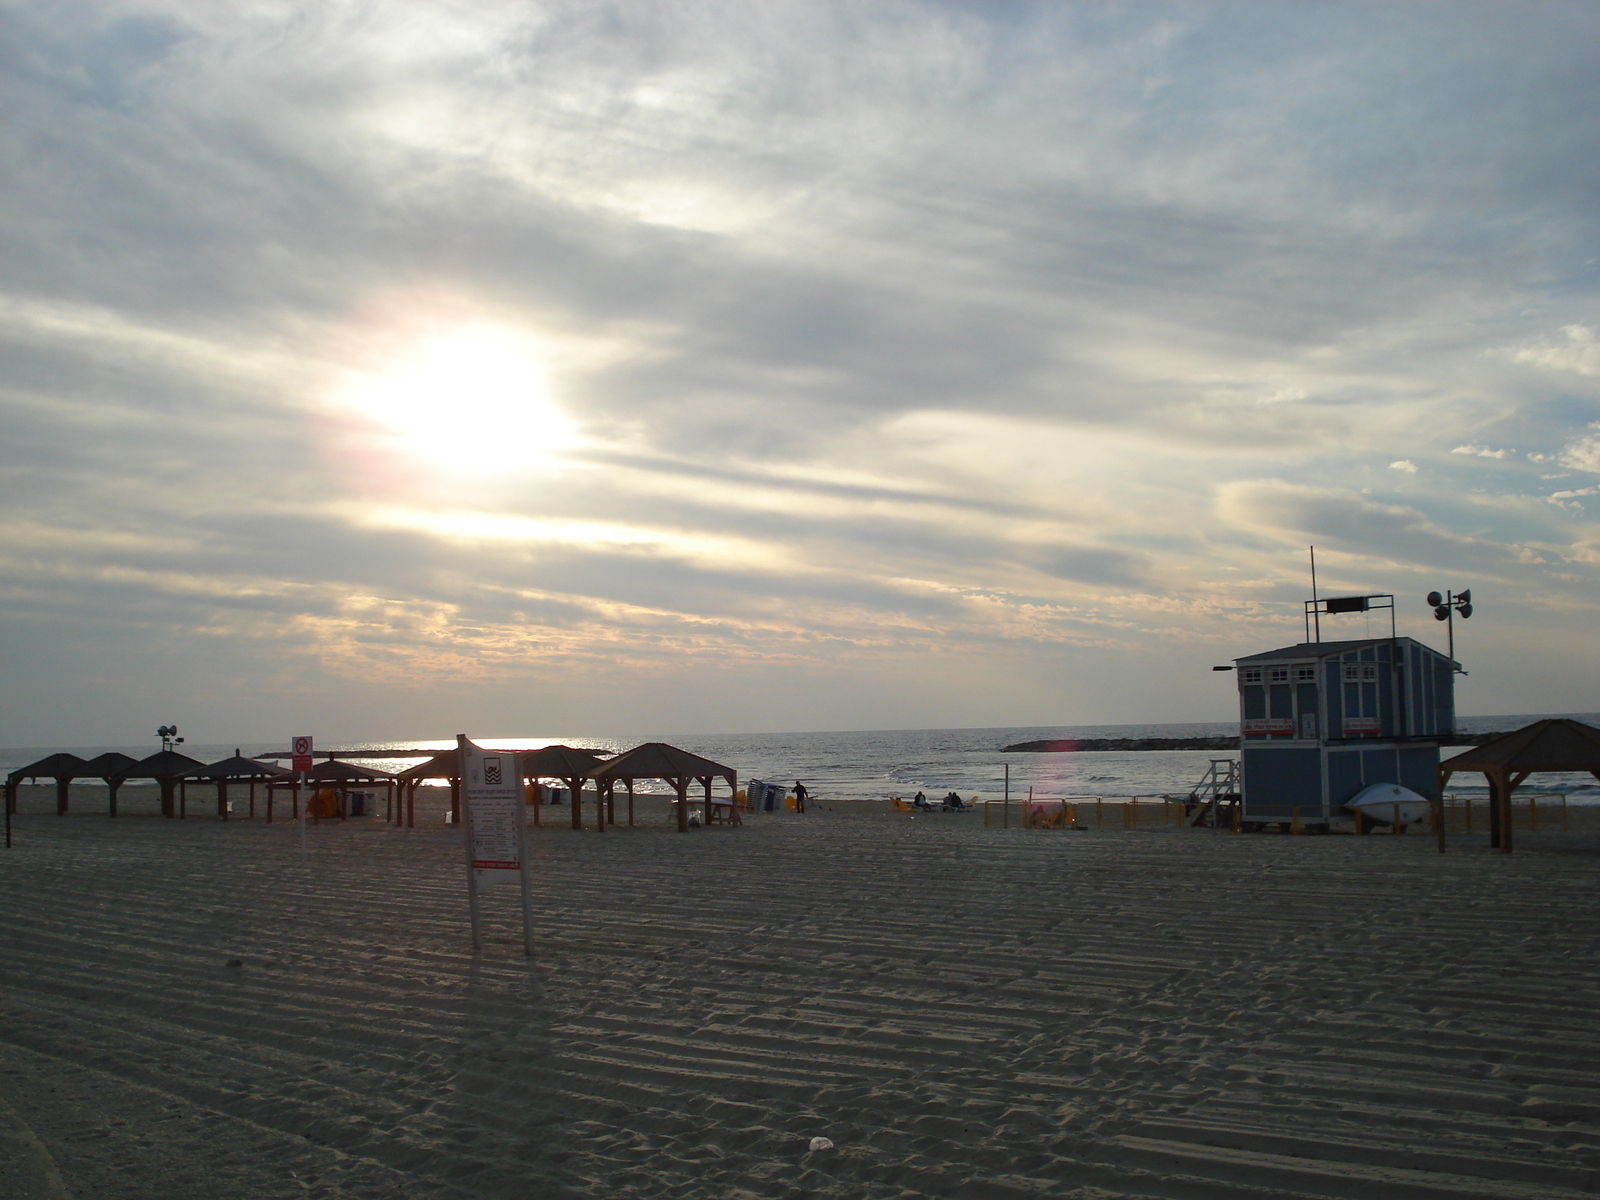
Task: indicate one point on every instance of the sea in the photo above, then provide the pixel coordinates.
(876, 764)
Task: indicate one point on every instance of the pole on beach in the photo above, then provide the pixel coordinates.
(301, 746)
(527, 879)
(1007, 808)
(464, 823)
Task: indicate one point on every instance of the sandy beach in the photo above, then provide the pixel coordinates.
(198, 1009)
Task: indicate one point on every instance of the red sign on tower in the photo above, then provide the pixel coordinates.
(301, 746)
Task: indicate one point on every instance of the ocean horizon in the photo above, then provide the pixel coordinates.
(852, 765)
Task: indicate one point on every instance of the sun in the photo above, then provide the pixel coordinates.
(468, 398)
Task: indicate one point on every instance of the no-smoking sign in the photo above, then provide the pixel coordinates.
(301, 748)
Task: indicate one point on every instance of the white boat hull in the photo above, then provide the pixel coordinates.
(1384, 803)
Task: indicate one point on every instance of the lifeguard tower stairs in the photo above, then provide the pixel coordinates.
(1216, 793)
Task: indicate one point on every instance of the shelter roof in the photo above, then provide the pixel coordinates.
(55, 766)
(547, 762)
(1304, 650)
(559, 762)
(334, 771)
(657, 760)
(440, 766)
(239, 767)
(104, 766)
(1557, 744)
(164, 764)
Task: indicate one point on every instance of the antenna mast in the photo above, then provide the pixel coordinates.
(1315, 615)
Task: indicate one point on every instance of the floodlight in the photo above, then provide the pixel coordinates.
(1447, 607)
(1222, 668)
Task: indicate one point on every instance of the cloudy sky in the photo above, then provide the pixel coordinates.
(394, 369)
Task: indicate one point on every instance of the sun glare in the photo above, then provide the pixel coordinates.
(471, 398)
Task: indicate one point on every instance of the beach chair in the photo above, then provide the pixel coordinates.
(900, 805)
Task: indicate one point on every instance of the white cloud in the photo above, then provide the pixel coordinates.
(1579, 352)
(1583, 453)
(1406, 465)
(1483, 451)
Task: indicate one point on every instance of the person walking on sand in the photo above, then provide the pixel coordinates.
(800, 795)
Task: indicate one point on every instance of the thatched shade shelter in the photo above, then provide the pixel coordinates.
(63, 768)
(1559, 744)
(446, 766)
(167, 768)
(108, 767)
(341, 776)
(657, 760)
(570, 766)
(548, 762)
(238, 769)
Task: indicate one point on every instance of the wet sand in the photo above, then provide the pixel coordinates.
(197, 1009)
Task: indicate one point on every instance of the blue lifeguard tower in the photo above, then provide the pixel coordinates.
(1319, 721)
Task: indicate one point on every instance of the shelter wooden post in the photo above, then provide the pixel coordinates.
(1505, 815)
(599, 807)
(611, 801)
(1517, 780)
(1493, 778)
(630, 802)
(252, 799)
(1508, 784)
(63, 783)
(682, 784)
(538, 798)
(222, 799)
(1441, 781)
(455, 800)
(573, 792)
(183, 800)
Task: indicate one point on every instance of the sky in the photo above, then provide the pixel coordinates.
(393, 370)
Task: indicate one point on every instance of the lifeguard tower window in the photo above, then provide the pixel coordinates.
(1360, 672)
(1250, 675)
(1279, 675)
(1306, 674)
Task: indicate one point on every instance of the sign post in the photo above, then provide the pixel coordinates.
(301, 746)
(496, 835)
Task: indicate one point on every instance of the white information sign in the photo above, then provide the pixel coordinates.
(493, 796)
(495, 827)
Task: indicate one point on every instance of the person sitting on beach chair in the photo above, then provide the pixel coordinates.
(919, 801)
(953, 801)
